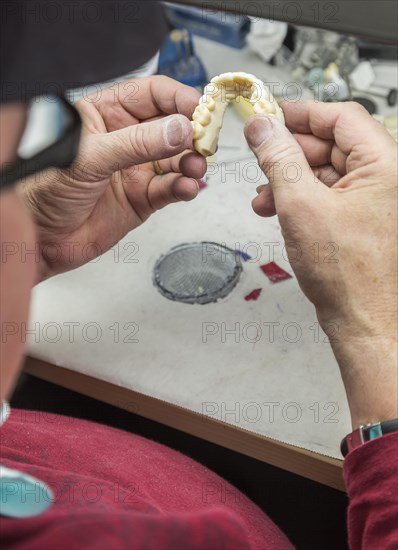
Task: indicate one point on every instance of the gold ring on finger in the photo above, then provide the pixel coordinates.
(156, 167)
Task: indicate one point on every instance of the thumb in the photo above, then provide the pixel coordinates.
(280, 157)
(140, 143)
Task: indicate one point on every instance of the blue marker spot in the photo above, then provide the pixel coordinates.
(244, 256)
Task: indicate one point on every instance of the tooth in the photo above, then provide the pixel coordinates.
(262, 106)
(211, 104)
(258, 108)
(208, 101)
(230, 96)
(202, 115)
(271, 108)
(198, 130)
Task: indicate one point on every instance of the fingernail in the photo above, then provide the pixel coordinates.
(174, 131)
(259, 130)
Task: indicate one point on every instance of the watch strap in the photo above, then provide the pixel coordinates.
(366, 433)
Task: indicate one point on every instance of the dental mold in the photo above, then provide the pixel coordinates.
(208, 116)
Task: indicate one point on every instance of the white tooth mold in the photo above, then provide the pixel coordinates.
(208, 116)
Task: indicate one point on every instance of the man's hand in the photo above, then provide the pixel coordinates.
(333, 184)
(112, 186)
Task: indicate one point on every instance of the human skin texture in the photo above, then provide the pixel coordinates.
(113, 187)
(16, 277)
(332, 175)
(110, 189)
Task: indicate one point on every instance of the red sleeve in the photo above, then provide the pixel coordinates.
(116, 490)
(371, 477)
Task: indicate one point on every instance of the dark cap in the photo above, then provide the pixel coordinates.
(49, 46)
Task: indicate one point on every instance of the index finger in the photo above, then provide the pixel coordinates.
(346, 123)
(142, 99)
(152, 96)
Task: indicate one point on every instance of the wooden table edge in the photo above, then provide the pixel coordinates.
(303, 462)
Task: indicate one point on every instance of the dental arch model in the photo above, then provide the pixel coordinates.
(208, 116)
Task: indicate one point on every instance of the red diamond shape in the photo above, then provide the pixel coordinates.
(275, 273)
(253, 295)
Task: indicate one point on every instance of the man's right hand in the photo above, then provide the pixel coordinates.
(333, 184)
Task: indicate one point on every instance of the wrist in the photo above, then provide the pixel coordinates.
(367, 432)
(372, 318)
(368, 365)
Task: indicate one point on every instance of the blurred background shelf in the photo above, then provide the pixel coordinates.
(370, 19)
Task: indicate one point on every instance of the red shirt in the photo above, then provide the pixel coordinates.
(115, 490)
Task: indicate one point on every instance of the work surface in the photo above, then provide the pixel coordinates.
(240, 373)
(263, 365)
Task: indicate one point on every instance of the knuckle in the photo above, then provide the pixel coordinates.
(139, 141)
(354, 107)
(278, 152)
(161, 79)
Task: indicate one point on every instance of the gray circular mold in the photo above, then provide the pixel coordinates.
(197, 273)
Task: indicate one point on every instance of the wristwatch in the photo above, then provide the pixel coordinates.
(367, 432)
